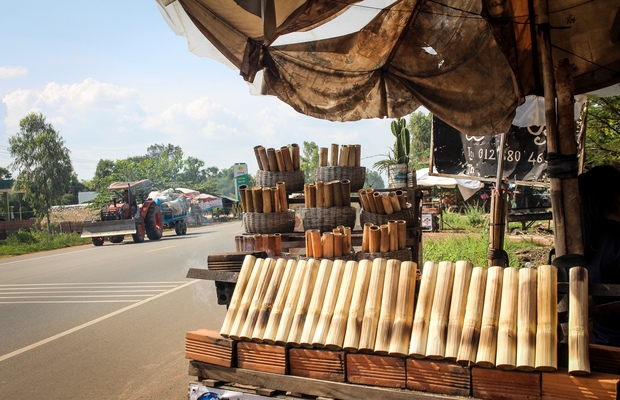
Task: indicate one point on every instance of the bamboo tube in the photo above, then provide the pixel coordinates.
(306, 195)
(242, 189)
(248, 244)
(460, 288)
(526, 320)
(506, 357)
(374, 239)
(373, 304)
(440, 311)
(547, 319)
(356, 309)
(305, 296)
(578, 339)
(327, 310)
(347, 246)
(337, 193)
(384, 243)
(402, 234)
(286, 155)
(322, 156)
(269, 336)
(327, 242)
(387, 204)
(266, 195)
(376, 196)
(277, 244)
(283, 327)
(402, 200)
(364, 200)
(366, 237)
(333, 161)
(264, 160)
(388, 307)
(264, 237)
(371, 200)
(338, 322)
(487, 347)
(473, 317)
(345, 190)
(319, 195)
(257, 199)
(244, 304)
(249, 200)
(257, 299)
(403, 313)
(317, 247)
(312, 192)
(395, 203)
(344, 155)
(311, 319)
(281, 186)
(419, 332)
(358, 154)
(280, 160)
(351, 160)
(337, 244)
(258, 157)
(295, 156)
(328, 195)
(275, 200)
(244, 276)
(393, 235)
(239, 244)
(309, 250)
(271, 159)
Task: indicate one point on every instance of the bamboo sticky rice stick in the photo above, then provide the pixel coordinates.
(344, 155)
(269, 336)
(440, 311)
(526, 320)
(328, 195)
(337, 244)
(337, 193)
(394, 201)
(419, 332)
(327, 310)
(311, 319)
(345, 189)
(319, 194)
(460, 289)
(374, 241)
(384, 244)
(258, 158)
(393, 235)
(487, 347)
(403, 314)
(507, 327)
(578, 339)
(338, 321)
(244, 276)
(402, 234)
(295, 156)
(473, 317)
(322, 156)
(257, 199)
(317, 247)
(327, 241)
(305, 296)
(280, 160)
(373, 304)
(286, 155)
(356, 309)
(271, 157)
(376, 196)
(547, 319)
(333, 160)
(388, 307)
(244, 304)
(257, 299)
(387, 204)
(281, 186)
(288, 311)
(267, 207)
(264, 160)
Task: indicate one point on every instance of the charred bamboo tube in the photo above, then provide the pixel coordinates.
(267, 204)
(526, 320)
(388, 307)
(402, 200)
(371, 200)
(309, 323)
(578, 339)
(280, 160)
(264, 160)
(317, 247)
(393, 234)
(460, 288)
(244, 304)
(306, 195)
(337, 244)
(283, 328)
(271, 157)
(319, 194)
(327, 242)
(328, 195)
(440, 311)
(309, 250)
(327, 310)
(356, 309)
(295, 156)
(384, 244)
(419, 332)
(338, 322)
(373, 304)
(337, 193)
(269, 336)
(281, 186)
(333, 160)
(344, 155)
(345, 190)
(366, 237)
(305, 296)
(257, 199)
(394, 201)
(402, 234)
(473, 317)
(374, 241)
(403, 313)
(487, 348)
(376, 196)
(507, 327)
(312, 192)
(258, 158)
(547, 319)
(244, 276)
(257, 299)
(286, 155)
(322, 156)
(387, 204)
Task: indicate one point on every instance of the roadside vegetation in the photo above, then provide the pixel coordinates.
(33, 241)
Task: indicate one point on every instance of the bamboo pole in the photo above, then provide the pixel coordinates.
(264, 160)
(440, 311)
(402, 234)
(373, 304)
(322, 156)
(317, 246)
(384, 244)
(547, 319)
(283, 327)
(244, 276)
(271, 158)
(338, 323)
(458, 304)
(275, 314)
(578, 339)
(356, 309)
(327, 242)
(327, 310)
(333, 161)
(392, 226)
(310, 321)
(374, 239)
(257, 299)
(419, 332)
(295, 156)
(286, 156)
(258, 157)
(487, 347)
(244, 304)
(403, 314)
(395, 203)
(344, 155)
(280, 160)
(376, 196)
(305, 296)
(388, 307)
(506, 357)
(337, 193)
(387, 204)
(345, 189)
(526, 320)
(473, 317)
(281, 186)
(319, 194)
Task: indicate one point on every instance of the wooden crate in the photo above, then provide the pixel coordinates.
(375, 370)
(438, 377)
(496, 384)
(605, 359)
(562, 385)
(209, 347)
(262, 357)
(318, 364)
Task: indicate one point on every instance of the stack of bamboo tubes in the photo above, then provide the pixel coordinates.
(335, 193)
(269, 243)
(384, 238)
(340, 156)
(277, 160)
(264, 199)
(386, 203)
(330, 244)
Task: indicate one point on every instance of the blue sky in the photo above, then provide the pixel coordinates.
(113, 79)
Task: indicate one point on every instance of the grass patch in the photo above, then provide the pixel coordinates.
(33, 241)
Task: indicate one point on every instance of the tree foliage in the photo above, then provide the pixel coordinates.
(602, 145)
(309, 160)
(420, 125)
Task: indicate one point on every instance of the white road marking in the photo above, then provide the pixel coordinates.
(161, 248)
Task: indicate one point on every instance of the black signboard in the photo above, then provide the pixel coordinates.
(456, 153)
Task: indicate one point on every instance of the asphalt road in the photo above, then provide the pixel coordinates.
(107, 322)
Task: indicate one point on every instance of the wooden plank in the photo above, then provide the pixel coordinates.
(438, 377)
(375, 370)
(262, 357)
(605, 359)
(561, 385)
(221, 276)
(505, 385)
(209, 347)
(318, 364)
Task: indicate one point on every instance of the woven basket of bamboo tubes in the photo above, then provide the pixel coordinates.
(294, 180)
(380, 219)
(345, 257)
(357, 175)
(326, 219)
(402, 255)
(274, 222)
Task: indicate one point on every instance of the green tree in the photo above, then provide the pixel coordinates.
(420, 125)
(602, 145)
(309, 160)
(43, 163)
(373, 180)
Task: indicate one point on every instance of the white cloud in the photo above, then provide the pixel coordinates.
(11, 72)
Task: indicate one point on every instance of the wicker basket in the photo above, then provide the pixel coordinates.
(380, 219)
(294, 180)
(357, 175)
(402, 255)
(326, 219)
(347, 257)
(275, 222)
